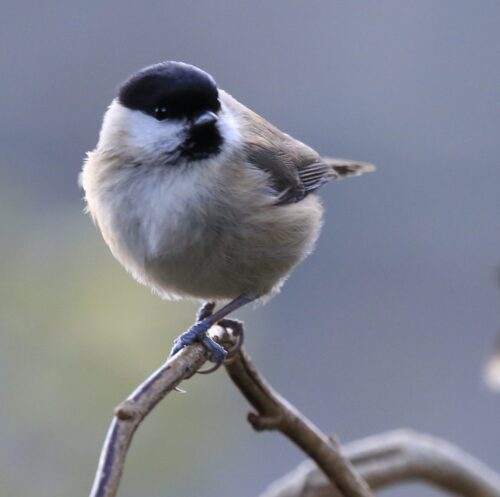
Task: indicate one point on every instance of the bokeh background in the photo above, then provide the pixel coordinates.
(387, 325)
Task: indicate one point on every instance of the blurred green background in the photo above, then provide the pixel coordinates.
(387, 325)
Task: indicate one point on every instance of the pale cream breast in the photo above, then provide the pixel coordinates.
(239, 241)
(206, 233)
(206, 230)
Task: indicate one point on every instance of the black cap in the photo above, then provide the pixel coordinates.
(170, 90)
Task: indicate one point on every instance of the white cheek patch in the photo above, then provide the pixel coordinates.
(149, 134)
(229, 129)
(133, 130)
(142, 136)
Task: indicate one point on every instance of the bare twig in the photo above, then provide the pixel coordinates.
(397, 457)
(275, 413)
(130, 413)
(381, 461)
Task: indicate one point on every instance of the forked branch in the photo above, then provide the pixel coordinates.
(275, 413)
(376, 461)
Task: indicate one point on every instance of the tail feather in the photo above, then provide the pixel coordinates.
(345, 168)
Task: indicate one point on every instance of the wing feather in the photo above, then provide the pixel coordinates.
(294, 169)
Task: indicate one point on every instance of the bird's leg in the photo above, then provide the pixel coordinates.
(198, 331)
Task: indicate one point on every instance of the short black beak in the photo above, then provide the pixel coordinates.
(205, 118)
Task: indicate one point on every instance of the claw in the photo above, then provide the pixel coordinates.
(217, 352)
(197, 332)
(207, 318)
(238, 331)
(217, 358)
(211, 369)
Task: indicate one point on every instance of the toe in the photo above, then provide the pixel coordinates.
(217, 352)
(205, 310)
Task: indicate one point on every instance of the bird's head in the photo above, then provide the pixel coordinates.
(169, 113)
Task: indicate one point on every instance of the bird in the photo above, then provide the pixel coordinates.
(199, 197)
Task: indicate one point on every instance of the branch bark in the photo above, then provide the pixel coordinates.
(373, 463)
(397, 457)
(131, 412)
(275, 413)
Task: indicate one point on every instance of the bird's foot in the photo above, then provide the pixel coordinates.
(205, 319)
(198, 333)
(237, 330)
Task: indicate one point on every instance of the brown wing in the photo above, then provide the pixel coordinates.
(294, 168)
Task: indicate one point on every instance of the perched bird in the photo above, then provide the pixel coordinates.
(199, 197)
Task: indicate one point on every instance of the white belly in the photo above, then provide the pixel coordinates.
(204, 232)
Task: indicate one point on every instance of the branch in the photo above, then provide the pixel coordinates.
(275, 413)
(131, 412)
(380, 460)
(396, 457)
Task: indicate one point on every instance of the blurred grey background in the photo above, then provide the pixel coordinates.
(387, 325)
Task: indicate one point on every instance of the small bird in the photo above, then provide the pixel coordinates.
(199, 197)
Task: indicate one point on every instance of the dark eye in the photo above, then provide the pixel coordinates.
(161, 113)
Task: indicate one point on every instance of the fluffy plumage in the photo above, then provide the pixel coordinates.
(224, 221)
